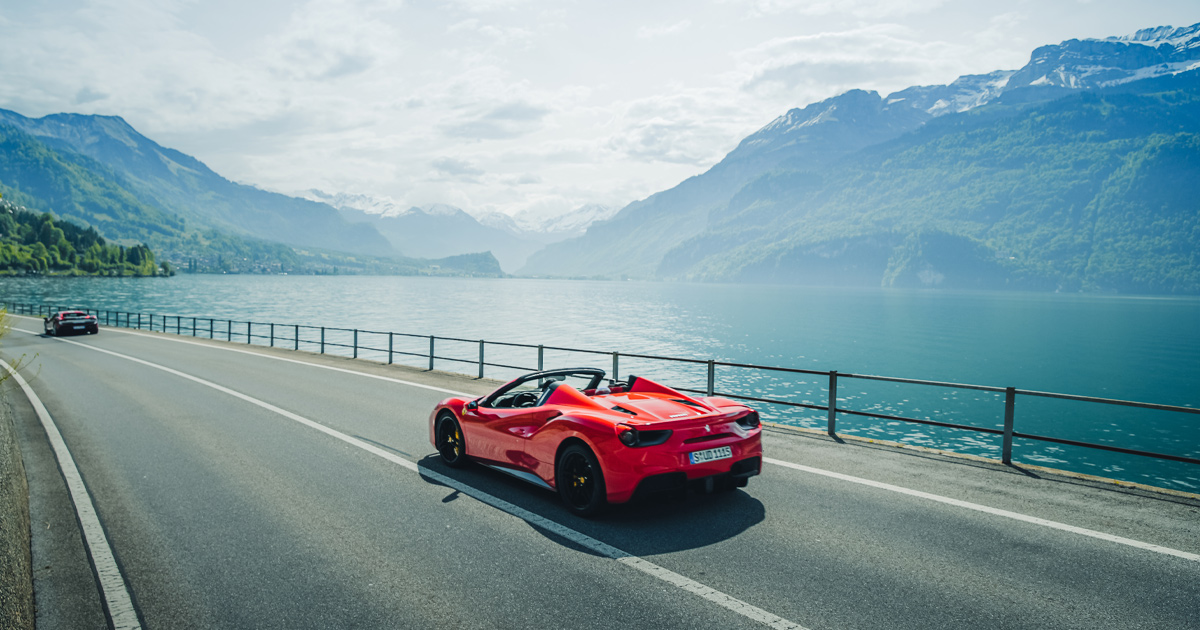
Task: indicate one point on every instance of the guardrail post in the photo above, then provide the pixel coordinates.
(229, 330)
(833, 403)
(431, 338)
(616, 375)
(249, 335)
(178, 325)
(139, 321)
(210, 328)
(541, 355)
(322, 340)
(390, 348)
(193, 326)
(355, 344)
(296, 338)
(712, 376)
(1010, 404)
(152, 322)
(480, 358)
(272, 334)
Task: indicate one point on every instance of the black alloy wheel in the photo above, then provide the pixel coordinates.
(580, 481)
(450, 442)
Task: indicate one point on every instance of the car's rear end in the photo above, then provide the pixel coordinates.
(672, 441)
(75, 322)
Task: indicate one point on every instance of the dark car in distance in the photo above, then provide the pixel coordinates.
(70, 322)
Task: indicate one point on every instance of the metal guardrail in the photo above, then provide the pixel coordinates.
(320, 339)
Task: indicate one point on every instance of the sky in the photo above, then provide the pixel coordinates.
(502, 105)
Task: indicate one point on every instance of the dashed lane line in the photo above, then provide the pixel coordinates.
(649, 568)
(118, 604)
(809, 469)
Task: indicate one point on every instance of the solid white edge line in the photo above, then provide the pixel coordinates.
(117, 601)
(817, 471)
(990, 510)
(649, 568)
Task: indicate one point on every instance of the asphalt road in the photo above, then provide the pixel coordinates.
(222, 512)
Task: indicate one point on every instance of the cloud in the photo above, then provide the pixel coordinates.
(510, 120)
(461, 170)
(885, 57)
(499, 35)
(648, 32)
(870, 9)
(326, 40)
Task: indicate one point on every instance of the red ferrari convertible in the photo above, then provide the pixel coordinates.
(598, 443)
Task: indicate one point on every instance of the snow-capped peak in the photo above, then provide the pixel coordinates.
(368, 204)
(1184, 36)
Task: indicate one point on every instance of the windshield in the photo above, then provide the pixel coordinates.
(535, 384)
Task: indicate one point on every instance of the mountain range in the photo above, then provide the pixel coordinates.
(100, 172)
(1078, 171)
(440, 230)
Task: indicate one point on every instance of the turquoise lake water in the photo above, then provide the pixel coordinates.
(1130, 348)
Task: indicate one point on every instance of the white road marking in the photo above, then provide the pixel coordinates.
(649, 568)
(117, 602)
(990, 510)
(287, 360)
(818, 471)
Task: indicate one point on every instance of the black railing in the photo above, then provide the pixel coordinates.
(322, 339)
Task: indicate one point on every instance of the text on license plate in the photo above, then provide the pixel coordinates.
(711, 455)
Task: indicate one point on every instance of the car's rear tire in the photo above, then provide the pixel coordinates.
(450, 444)
(580, 481)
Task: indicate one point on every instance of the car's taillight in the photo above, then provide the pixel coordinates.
(627, 434)
(750, 420)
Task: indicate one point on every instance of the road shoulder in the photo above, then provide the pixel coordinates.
(64, 585)
(16, 581)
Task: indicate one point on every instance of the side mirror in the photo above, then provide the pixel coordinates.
(473, 405)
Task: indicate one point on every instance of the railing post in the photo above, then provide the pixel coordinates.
(296, 338)
(1010, 404)
(616, 364)
(833, 403)
(355, 344)
(431, 338)
(712, 376)
(210, 328)
(178, 325)
(139, 321)
(229, 330)
(249, 335)
(390, 348)
(480, 358)
(193, 326)
(322, 340)
(151, 322)
(541, 355)
(272, 334)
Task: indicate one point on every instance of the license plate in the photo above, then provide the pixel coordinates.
(711, 455)
(78, 327)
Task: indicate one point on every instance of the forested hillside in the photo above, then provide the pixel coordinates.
(36, 243)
